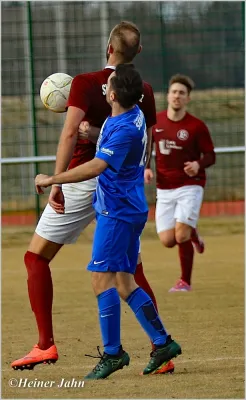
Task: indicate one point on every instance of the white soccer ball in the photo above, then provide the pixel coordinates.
(55, 90)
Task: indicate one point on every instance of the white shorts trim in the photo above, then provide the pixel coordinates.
(178, 205)
(66, 228)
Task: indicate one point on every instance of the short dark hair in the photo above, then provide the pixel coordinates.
(184, 80)
(127, 85)
(125, 39)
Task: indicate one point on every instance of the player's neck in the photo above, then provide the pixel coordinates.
(175, 115)
(117, 109)
(113, 61)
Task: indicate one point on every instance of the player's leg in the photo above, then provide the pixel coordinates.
(108, 254)
(189, 200)
(53, 230)
(40, 291)
(142, 306)
(186, 256)
(141, 280)
(197, 241)
(164, 217)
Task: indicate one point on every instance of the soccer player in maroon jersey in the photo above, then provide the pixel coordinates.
(70, 207)
(184, 149)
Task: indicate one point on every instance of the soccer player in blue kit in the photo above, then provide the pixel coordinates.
(122, 212)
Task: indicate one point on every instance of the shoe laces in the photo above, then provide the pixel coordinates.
(100, 354)
(102, 359)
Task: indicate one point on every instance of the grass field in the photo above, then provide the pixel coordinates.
(208, 322)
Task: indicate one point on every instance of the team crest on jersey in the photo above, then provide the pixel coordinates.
(183, 134)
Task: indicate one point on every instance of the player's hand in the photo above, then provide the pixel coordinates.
(56, 199)
(191, 168)
(84, 129)
(148, 175)
(42, 181)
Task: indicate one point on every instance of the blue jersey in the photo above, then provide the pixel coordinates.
(120, 190)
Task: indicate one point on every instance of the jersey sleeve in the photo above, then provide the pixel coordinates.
(147, 105)
(205, 142)
(116, 148)
(80, 93)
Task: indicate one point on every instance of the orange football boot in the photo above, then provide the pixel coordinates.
(36, 356)
(165, 368)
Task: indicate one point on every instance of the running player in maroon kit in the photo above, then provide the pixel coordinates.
(70, 207)
(184, 149)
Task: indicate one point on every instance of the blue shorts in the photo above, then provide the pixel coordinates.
(115, 245)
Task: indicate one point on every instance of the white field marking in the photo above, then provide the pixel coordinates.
(142, 364)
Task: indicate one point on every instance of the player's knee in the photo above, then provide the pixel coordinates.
(125, 291)
(122, 292)
(102, 281)
(182, 236)
(97, 284)
(139, 258)
(167, 240)
(30, 260)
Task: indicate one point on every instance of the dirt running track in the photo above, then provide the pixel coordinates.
(211, 209)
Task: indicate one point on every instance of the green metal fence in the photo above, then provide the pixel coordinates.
(202, 39)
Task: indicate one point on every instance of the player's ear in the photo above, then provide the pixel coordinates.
(111, 96)
(110, 49)
(140, 49)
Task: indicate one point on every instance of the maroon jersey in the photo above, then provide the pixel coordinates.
(88, 93)
(177, 142)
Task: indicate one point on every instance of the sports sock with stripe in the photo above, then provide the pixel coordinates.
(146, 314)
(109, 318)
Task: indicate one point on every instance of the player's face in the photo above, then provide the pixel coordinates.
(178, 96)
(110, 94)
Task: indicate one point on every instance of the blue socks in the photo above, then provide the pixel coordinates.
(109, 318)
(143, 307)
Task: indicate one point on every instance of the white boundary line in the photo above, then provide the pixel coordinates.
(41, 159)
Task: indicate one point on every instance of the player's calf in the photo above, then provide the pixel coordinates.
(197, 241)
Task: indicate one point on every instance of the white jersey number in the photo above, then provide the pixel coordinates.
(141, 99)
(144, 142)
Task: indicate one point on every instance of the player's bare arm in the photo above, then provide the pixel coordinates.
(149, 145)
(68, 138)
(64, 154)
(148, 173)
(81, 173)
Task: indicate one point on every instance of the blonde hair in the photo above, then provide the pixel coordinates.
(125, 40)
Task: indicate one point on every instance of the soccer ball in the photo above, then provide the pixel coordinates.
(54, 91)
